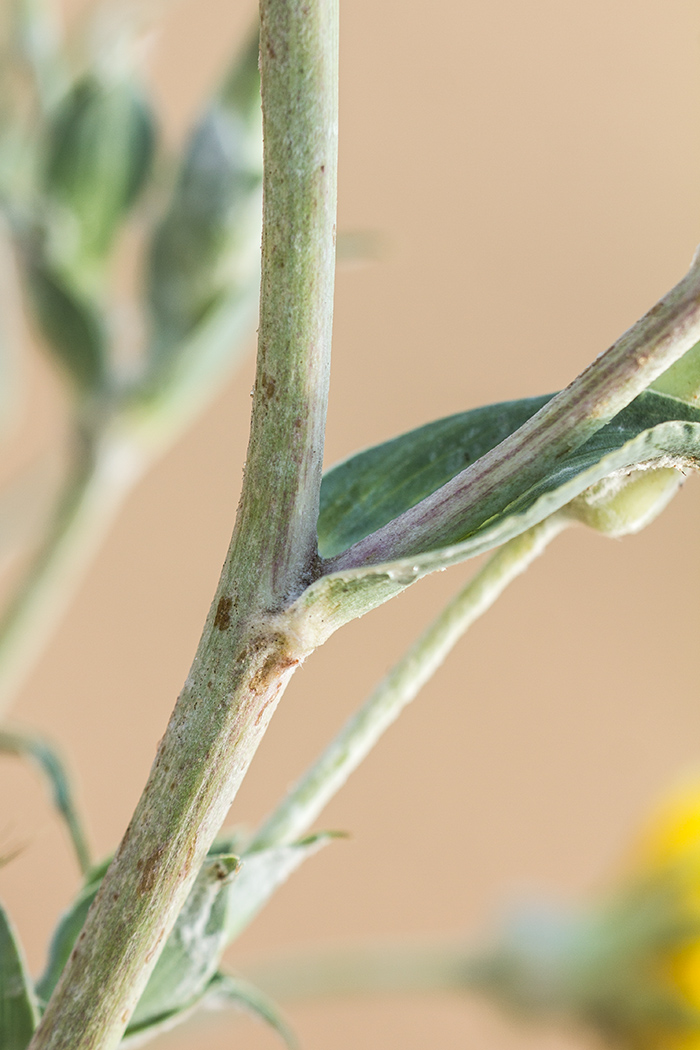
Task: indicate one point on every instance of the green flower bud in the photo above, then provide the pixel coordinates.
(98, 152)
(627, 501)
(208, 242)
(70, 324)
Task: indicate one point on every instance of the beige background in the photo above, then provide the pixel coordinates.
(533, 168)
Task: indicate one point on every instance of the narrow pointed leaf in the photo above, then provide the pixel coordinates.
(18, 1009)
(226, 990)
(262, 872)
(71, 326)
(34, 747)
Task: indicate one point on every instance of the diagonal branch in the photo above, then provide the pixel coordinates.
(565, 423)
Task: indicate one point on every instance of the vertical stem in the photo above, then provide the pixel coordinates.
(245, 656)
(285, 453)
(102, 472)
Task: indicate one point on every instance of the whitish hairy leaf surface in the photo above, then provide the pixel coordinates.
(192, 952)
(226, 990)
(262, 872)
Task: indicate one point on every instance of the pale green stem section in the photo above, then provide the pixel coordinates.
(102, 472)
(307, 798)
(28, 745)
(394, 970)
(566, 422)
(245, 656)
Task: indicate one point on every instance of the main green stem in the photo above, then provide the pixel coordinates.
(245, 656)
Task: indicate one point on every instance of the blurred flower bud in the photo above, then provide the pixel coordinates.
(71, 326)
(628, 500)
(630, 965)
(98, 151)
(208, 242)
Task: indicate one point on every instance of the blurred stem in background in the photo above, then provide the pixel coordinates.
(202, 282)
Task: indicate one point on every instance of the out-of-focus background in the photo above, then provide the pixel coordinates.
(532, 173)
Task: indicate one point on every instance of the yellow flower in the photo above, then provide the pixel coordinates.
(664, 865)
(627, 966)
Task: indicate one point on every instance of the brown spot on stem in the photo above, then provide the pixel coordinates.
(149, 870)
(268, 386)
(274, 664)
(222, 620)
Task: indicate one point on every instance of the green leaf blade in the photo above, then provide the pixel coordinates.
(262, 872)
(372, 487)
(234, 991)
(654, 430)
(18, 1008)
(72, 328)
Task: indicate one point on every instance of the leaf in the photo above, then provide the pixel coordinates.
(363, 493)
(98, 153)
(682, 379)
(47, 758)
(262, 872)
(372, 487)
(193, 949)
(222, 991)
(215, 912)
(206, 246)
(19, 1013)
(66, 933)
(234, 991)
(70, 325)
(191, 953)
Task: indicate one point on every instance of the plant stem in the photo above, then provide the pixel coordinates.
(307, 798)
(245, 657)
(566, 422)
(101, 473)
(378, 970)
